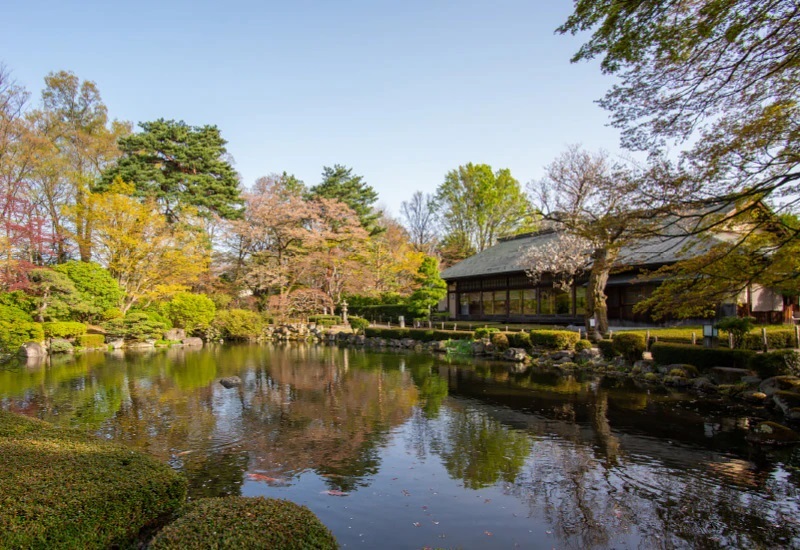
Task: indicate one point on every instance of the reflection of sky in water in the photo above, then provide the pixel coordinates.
(404, 451)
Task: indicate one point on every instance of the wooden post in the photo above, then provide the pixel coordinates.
(647, 340)
(455, 327)
(764, 338)
(610, 334)
(506, 328)
(730, 340)
(694, 338)
(797, 336)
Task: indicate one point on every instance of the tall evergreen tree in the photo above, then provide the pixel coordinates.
(341, 184)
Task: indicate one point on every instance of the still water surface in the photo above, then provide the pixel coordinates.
(395, 450)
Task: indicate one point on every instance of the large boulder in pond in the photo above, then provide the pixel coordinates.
(772, 433)
(780, 383)
(32, 350)
(789, 403)
(517, 355)
(193, 341)
(728, 375)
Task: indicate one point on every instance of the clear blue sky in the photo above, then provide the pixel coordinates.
(401, 92)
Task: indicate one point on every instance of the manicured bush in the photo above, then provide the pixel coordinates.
(581, 345)
(137, 326)
(385, 312)
(700, 357)
(776, 363)
(420, 334)
(192, 312)
(15, 333)
(519, 340)
(776, 339)
(737, 326)
(485, 332)
(630, 345)
(554, 339)
(606, 347)
(242, 522)
(325, 320)
(91, 340)
(95, 285)
(239, 324)
(63, 329)
(500, 341)
(59, 345)
(64, 489)
(358, 324)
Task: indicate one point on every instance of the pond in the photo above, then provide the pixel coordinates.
(403, 450)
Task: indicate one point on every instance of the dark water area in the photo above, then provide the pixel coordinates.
(399, 450)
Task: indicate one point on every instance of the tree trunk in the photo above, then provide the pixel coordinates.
(596, 308)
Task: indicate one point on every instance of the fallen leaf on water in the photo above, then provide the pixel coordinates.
(415, 524)
(184, 453)
(335, 493)
(487, 533)
(267, 479)
(487, 500)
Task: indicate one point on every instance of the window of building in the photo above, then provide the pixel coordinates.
(529, 302)
(515, 302)
(499, 302)
(474, 303)
(563, 301)
(547, 300)
(580, 300)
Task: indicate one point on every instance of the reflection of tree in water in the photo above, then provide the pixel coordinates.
(478, 449)
(432, 387)
(325, 412)
(216, 473)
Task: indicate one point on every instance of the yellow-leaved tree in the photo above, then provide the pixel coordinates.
(144, 252)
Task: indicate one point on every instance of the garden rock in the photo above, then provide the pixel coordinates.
(175, 334)
(116, 343)
(517, 355)
(788, 403)
(772, 433)
(778, 383)
(728, 375)
(704, 384)
(644, 365)
(478, 348)
(230, 382)
(32, 350)
(193, 341)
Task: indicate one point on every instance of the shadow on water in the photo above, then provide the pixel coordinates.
(535, 459)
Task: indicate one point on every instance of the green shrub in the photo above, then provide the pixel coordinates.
(776, 363)
(325, 320)
(630, 345)
(18, 300)
(64, 489)
(14, 334)
(776, 339)
(64, 329)
(581, 345)
(192, 312)
(606, 347)
(485, 332)
(554, 339)
(137, 326)
(702, 358)
(242, 522)
(239, 324)
(420, 334)
(440, 316)
(358, 324)
(500, 341)
(91, 340)
(97, 288)
(386, 312)
(737, 326)
(59, 345)
(519, 340)
(14, 314)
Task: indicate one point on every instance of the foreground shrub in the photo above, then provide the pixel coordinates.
(192, 312)
(242, 522)
(581, 345)
(63, 329)
(59, 345)
(630, 345)
(776, 363)
(137, 326)
(606, 347)
(700, 357)
(420, 334)
(64, 489)
(485, 332)
(554, 339)
(736, 326)
(91, 341)
(358, 324)
(15, 333)
(239, 324)
(519, 340)
(500, 341)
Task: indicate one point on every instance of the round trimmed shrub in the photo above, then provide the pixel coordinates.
(485, 332)
(581, 345)
(630, 345)
(242, 522)
(358, 324)
(500, 341)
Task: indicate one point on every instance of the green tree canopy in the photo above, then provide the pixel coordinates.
(191, 311)
(482, 205)
(432, 288)
(94, 283)
(341, 184)
(179, 166)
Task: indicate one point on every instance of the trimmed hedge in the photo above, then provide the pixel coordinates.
(420, 334)
(242, 522)
(700, 357)
(555, 339)
(519, 340)
(325, 320)
(500, 341)
(385, 312)
(91, 340)
(358, 324)
(776, 339)
(63, 329)
(15, 333)
(776, 363)
(485, 332)
(630, 345)
(61, 488)
(607, 348)
(581, 345)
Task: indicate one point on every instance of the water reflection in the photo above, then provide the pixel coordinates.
(430, 448)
